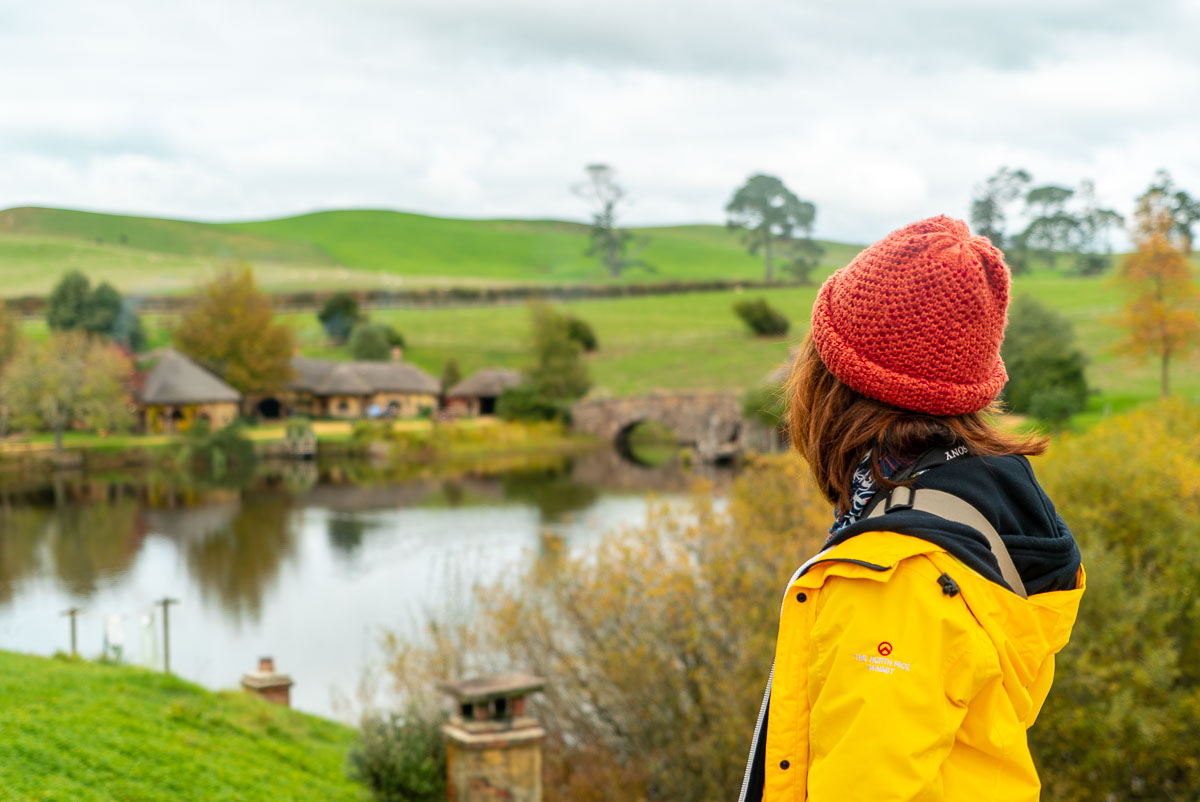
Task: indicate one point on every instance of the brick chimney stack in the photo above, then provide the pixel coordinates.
(268, 683)
(493, 749)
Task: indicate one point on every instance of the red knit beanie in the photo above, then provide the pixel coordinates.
(916, 319)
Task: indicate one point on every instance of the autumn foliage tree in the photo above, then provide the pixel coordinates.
(1161, 316)
(231, 330)
(71, 379)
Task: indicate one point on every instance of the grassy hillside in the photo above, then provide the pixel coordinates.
(79, 731)
(347, 249)
(513, 250)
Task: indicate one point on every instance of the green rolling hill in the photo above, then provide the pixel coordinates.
(355, 249)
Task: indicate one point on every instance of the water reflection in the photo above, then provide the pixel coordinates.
(238, 563)
(307, 561)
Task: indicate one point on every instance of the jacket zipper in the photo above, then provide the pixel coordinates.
(762, 710)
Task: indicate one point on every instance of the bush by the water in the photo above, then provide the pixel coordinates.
(763, 319)
(401, 758)
(669, 628)
(1046, 376)
(221, 454)
(523, 402)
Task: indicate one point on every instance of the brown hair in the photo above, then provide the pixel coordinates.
(833, 427)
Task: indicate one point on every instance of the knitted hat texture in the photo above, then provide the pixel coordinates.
(916, 319)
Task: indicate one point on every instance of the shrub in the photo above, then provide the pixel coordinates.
(339, 315)
(1045, 370)
(395, 339)
(451, 375)
(1123, 719)
(370, 342)
(400, 758)
(222, 454)
(524, 403)
(762, 319)
(558, 371)
(581, 332)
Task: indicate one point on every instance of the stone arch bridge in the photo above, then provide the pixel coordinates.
(709, 423)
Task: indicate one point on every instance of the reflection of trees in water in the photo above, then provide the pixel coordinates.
(23, 528)
(89, 542)
(237, 564)
(345, 531)
(552, 490)
(83, 532)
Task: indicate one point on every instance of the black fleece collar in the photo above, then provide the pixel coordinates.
(1005, 490)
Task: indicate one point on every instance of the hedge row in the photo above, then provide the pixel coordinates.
(311, 301)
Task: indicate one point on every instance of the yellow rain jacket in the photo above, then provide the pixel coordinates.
(902, 674)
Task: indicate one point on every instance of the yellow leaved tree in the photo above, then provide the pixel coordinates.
(1161, 316)
(231, 330)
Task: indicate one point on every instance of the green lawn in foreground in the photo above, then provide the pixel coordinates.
(78, 731)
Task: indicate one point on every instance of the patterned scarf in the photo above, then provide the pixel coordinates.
(862, 490)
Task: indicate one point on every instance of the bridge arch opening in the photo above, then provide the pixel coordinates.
(646, 442)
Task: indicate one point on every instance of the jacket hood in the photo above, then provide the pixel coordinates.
(1006, 492)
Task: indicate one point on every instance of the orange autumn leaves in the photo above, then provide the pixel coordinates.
(1161, 316)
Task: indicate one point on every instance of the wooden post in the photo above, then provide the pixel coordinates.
(166, 603)
(74, 611)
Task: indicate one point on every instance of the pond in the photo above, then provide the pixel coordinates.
(304, 564)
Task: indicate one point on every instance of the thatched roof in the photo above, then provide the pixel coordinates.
(487, 383)
(321, 377)
(175, 379)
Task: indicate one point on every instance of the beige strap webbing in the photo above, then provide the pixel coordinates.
(953, 508)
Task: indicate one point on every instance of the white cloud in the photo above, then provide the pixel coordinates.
(878, 112)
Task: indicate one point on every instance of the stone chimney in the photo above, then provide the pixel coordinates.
(493, 749)
(268, 683)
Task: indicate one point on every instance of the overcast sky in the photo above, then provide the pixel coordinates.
(878, 112)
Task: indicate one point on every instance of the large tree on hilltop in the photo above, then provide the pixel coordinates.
(1183, 208)
(989, 207)
(1161, 314)
(774, 219)
(1091, 244)
(608, 240)
(230, 329)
